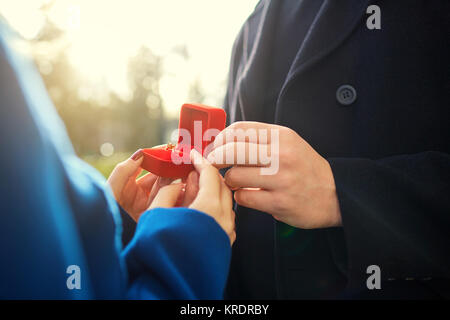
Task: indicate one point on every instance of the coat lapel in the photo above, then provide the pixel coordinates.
(333, 24)
(252, 81)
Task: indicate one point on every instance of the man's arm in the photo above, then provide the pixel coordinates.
(395, 211)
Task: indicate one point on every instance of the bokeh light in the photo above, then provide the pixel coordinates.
(107, 149)
(100, 36)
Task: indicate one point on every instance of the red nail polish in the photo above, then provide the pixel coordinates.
(137, 155)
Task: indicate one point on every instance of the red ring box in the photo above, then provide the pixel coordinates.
(195, 120)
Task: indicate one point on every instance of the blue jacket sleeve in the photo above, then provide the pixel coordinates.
(177, 253)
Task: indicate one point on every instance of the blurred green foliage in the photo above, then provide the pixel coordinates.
(105, 164)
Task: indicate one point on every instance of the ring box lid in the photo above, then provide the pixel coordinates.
(204, 117)
(195, 120)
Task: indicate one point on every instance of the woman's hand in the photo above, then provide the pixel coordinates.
(203, 190)
(214, 197)
(136, 196)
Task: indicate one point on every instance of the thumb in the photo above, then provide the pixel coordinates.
(124, 171)
(167, 196)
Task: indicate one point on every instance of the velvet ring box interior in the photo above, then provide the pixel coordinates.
(195, 120)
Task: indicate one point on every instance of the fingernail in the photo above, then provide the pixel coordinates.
(137, 155)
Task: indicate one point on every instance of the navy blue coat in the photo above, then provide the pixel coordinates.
(56, 211)
(389, 149)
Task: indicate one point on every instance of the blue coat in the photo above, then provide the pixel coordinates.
(55, 212)
(389, 148)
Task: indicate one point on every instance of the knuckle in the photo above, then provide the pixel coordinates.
(120, 166)
(284, 179)
(236, 125)
(287, 154)
(288, 132)
(288, 161)
(281, 204)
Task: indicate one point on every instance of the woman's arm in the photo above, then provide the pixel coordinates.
(181, 253)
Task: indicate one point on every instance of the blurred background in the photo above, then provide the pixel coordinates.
(118, 71)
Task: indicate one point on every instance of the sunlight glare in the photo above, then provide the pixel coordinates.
(103, 35)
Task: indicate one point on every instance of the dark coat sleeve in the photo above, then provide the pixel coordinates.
(396, 214)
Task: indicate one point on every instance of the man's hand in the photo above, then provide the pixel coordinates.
(302, 193)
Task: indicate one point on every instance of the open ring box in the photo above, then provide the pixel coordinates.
(198, 126)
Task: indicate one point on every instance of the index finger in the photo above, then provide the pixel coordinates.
(245, 131)
(167, 196)
(124, 172)
(242, 154)
(209, 181)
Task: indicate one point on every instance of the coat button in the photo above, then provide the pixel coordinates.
(346, 95)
